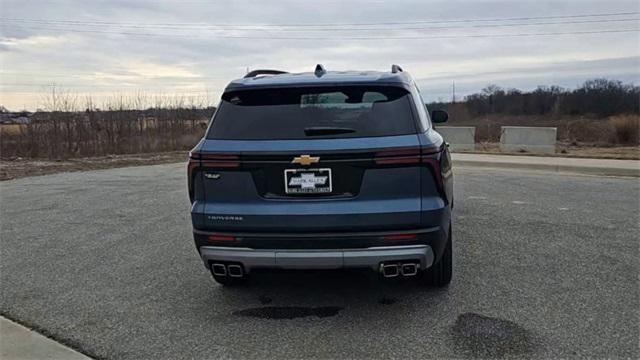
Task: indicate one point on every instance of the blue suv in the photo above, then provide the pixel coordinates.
(323, 170)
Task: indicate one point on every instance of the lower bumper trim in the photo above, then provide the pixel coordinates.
(318, 259)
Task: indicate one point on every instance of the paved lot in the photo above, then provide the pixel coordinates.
(546, 266)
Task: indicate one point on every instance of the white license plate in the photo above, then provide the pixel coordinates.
(307, 181)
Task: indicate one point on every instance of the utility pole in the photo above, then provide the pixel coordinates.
(453, 92)
(53, 98)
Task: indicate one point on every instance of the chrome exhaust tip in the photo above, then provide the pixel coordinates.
(409, 269)
(389, 270)
(235, 271)
(219, 269)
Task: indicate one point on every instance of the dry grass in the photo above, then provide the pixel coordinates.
(626, 128)
(11, 129)
(618, 130)
(68, 135)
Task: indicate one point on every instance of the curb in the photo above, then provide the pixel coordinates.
(575, 169)
(19, 342)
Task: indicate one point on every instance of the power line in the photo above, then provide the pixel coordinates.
(81, 76)
(116, 92)
(433, 76)
(54, 84)
(340, 37)
(69, 25)
(430, 21)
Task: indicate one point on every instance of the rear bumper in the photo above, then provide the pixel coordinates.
(370, 257)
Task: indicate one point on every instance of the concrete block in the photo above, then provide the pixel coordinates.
(530, 139)
(460, 138)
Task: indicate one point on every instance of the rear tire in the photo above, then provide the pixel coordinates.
(440, 273)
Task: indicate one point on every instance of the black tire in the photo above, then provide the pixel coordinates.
(440, 273)
(229, 281)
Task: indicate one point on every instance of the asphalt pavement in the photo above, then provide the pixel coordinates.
(546, 265)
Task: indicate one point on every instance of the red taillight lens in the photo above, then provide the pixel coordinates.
(208, 160)
(413, 155)
(219, 160)
(426, 155)
(401, 237)
(219, 237)
(432, 160)
(398, 156)
(194, 162)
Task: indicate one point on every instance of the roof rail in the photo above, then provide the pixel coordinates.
(255, 73)
(396, 68)
(320, 70)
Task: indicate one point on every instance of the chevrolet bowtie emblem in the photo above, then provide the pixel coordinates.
(305, 160)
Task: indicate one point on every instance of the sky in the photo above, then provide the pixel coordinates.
(148, 51)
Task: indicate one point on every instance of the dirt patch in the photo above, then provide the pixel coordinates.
(19, 168)
(480, 336)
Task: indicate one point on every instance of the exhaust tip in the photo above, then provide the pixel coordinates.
(235, 270)
(219, 269)
(390, 270)
(410, 269)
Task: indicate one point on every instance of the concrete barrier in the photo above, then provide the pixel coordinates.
(530, 139)
(460, 138)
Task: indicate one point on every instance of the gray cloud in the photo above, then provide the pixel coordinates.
(107, 56)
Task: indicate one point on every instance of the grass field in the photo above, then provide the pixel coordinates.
(11, 129)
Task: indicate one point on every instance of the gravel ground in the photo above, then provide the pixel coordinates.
(546, 265)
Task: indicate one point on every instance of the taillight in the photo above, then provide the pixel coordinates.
(431, 157)
(194, 162)
(398, 156)
(209, 160)
(219, 160)
(426, 155)
(412, 155)
(220, 237)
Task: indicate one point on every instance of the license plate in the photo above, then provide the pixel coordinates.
(307, 181)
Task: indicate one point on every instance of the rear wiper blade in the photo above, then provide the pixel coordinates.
(327, 130)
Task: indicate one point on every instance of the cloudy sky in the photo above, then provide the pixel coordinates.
(192, 48)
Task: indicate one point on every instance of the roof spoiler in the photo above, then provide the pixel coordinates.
(255, 73)
(396, 68)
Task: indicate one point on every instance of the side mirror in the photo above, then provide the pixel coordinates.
(439, 116)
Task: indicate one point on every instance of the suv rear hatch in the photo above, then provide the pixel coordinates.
(311, 159)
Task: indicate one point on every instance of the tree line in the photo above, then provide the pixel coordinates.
(71, 126)
(596, 97)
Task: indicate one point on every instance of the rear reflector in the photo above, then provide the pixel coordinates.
(218, 237)
(401, 237)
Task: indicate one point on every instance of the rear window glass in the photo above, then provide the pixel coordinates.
(309, 113)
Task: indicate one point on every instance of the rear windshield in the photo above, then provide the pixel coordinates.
(309, 113)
